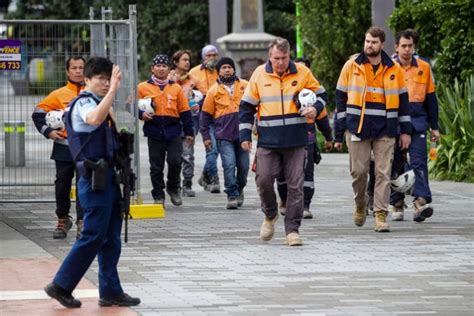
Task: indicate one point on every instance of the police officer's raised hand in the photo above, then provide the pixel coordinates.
(404, 141)
(246, 145)
(115, 78)
(56, 135)
(435, 135)
(338, 146)
(189, 140)
(309, 112)
(147, 117)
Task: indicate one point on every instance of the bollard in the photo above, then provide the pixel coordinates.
(14, 144)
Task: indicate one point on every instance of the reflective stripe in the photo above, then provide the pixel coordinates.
(341, 88)
(392, 114)
(320, 90)
(375, 90)
(281, 182)
(250, 100)
(308, 184)
(321, 100)
(39, 110)
(395, 91)
(62, 142)
(43, 128)
(276, 98)
(340, 115)
(404, 118)
(281, 122)
(353, 111)
(243, 126)
(375, 112)
(355, 88)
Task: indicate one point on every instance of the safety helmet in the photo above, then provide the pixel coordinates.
(146, 105)
(404, 182)
(197, 96)
(306, 98)
(54, 119)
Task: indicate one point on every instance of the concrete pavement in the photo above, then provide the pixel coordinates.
(205, 260)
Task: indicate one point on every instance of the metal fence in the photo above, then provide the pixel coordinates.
(27, 172)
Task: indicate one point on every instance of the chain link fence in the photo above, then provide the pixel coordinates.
(26, 171)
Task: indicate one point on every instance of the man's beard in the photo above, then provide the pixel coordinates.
(372, 53)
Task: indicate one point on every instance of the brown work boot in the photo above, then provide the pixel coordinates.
(293, 239)
(80, 225)
(63, 226)
(381, 225)
(360, 215)
(422, 210)
(398, 210)
(268, 228)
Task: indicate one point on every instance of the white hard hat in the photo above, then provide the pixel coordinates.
(54, 119)
(146, 105)
(197, 96)
(404, 182)
(306, 98)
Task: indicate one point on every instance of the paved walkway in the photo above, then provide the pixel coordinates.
(205, 260)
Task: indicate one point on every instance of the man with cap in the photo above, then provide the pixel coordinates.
(163, 129)
(221, 108)
(207, 75)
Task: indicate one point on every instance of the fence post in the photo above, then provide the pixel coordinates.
(14, 144)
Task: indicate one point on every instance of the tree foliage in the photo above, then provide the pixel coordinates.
(333, 30)
(446, 33)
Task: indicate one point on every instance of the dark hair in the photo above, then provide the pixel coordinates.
(68, 61)
(376, 31)
(408, 33)
(98, 66)
(177, 56)
(303, 60)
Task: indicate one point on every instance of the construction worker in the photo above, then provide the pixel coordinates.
(372, 105)
(65, 168)
(282, 133)
(424, 116)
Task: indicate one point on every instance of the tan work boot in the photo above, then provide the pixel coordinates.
(422, 210)
(381, 225)
(293, 239)
(360, 215)
(268, 228)
(282, 208)
(398, 210)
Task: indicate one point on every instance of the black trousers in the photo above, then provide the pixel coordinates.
(158, 151)
(65, 171)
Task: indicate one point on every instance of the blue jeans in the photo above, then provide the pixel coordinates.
(211, 155)
(233, 157)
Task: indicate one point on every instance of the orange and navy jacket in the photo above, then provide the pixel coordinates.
(171, 110)
(372, 106)
(322, 122)
(271, 97)
(421, 94)
(222, 110)
(205, 77)
(56, 100)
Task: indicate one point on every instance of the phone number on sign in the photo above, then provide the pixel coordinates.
(10, 65)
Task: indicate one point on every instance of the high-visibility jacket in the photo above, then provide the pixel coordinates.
(222, 110)
(56, 100)
(322, 122)
(372, 105)
(271, 97)
(421, 94)
(171, 110)
(205, 77)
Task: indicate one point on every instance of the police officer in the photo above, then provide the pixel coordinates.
(94, 146)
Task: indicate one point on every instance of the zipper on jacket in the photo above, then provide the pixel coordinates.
(282, 104)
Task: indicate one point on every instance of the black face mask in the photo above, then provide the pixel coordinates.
(228, 81)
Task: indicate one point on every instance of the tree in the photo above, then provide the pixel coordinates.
(446, 33)
(332, 31)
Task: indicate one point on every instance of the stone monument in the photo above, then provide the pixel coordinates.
(248, 43)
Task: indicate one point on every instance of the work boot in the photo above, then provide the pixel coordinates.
(293, 239)
(232, 203)
(159, 201)
(63, 226)
(422, 210)
(268, 228)
(187, 188)
(307, 213)
(204, 181)
(240, 198)
(381, 225)
(175, 197)
(79, 225)
(360, 215)
(62, 296)
(397, 211)
(121, 300)
(214, 186)
(282, 208)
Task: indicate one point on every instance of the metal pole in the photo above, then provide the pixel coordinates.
(299, 40)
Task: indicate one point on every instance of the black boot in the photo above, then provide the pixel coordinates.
(121, 300)
(62, 296)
